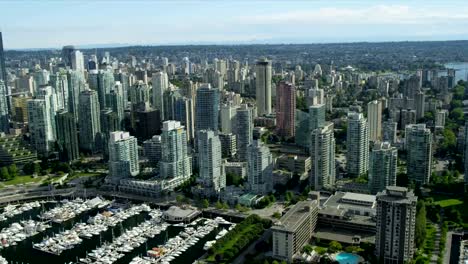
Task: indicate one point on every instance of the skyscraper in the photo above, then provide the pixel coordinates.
(175, 162)
(418, 144)
(419, 104)
(260, 168)
(210, 162)
(77, 61)
(67, 52)
(316, 116)
(374, 116)
(105, 84)
(152, 149)
(285, 109)
(382, 166)
(50, 99)
(184, 112)
(389, 131)
(40, 126)
(5, 88)
(123, 155)
(228, 114)
(76, 84)
(465, 154)
(357, 145)
(59, 85)
(243, 131)
(160, 83)
(89, 121)
(263, 86)
(67, 136)
(4, 119)
(109, 123)
(322, 153)
(207, 108)
(396, 219)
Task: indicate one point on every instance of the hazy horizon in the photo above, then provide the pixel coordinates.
(53, 24)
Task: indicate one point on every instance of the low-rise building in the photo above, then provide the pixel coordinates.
(299, 165)
(15, 150)
(236, 168)
(294, 230)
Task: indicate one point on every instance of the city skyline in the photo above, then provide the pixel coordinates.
(255, 22)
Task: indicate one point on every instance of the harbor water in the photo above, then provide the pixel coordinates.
(24, 252)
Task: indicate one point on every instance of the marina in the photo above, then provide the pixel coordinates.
(106, 232)
(97, 224)
(13, 210)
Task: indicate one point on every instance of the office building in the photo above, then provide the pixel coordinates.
(322, 154)
(316, 116)
(89, 121)
(263, 86)
(382, 166)
(285, 110)
(160, 84)
(294, 230)
(357, 145)
(243, 131)
(418, 153)
(67, 52)
(396, 220)
(67, 136)
(123, 155)
(175, 162)
(260, 168)
(374, 117)
(152, 150)
(210, 162)
(147, 122)
(207, 108)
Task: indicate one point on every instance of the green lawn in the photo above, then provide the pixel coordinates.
(449, 202)
(83, 174)
(23, 180)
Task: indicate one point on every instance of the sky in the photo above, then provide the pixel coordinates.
(53, 24)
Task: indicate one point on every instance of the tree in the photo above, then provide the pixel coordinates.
(4, 175)
(13, 170)
(36, 168)
(205, 203)
(420, 229)
(179, 198)
(276, 215)
(219, 205)
(334, 246)
(307, 249)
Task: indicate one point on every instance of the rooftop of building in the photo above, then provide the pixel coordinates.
(340, 198)
(294, 217)
(397, 194)
(178, 212)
